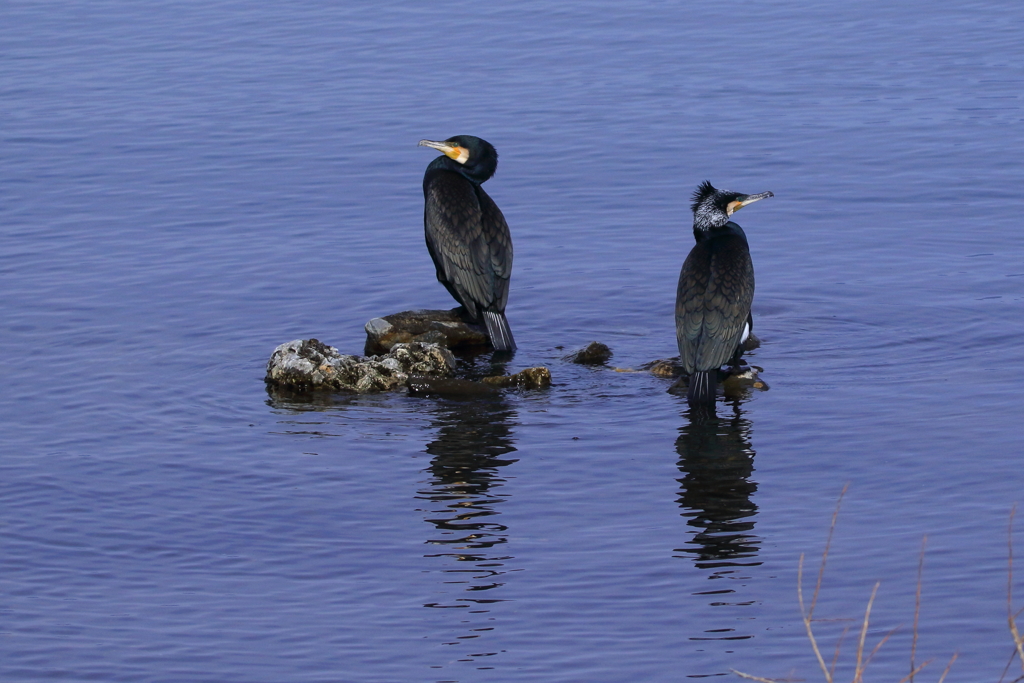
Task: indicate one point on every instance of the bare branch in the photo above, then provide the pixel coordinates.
(807, 617)
(858, 674)
(948, 666)
(824, 555)
(753, 678)
(862, 662)
(1018, 639)
(877, 647)
(910, 675)
(917, 606)
(1013, 656)
(808, 614)
(839, 643)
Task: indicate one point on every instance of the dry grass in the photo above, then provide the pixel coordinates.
(862, 661)
(1011, 616)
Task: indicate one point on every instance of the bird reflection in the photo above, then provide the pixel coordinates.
(716, 461)
(463, 493)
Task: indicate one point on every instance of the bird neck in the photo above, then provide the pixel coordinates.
(708, 216)
(470, 173)
(702, 233)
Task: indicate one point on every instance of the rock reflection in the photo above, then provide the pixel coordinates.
(285, 398)
(716, 460)
(315, 413)
(463, 494)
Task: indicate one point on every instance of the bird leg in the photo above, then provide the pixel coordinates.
(736, 365)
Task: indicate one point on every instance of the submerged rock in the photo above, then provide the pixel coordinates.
(734, 381)
(455, 388)
(748, 377)
(663, 368)
(306, 364)
(594, 353)
(670, 367)
(450, 329)
(530, 378)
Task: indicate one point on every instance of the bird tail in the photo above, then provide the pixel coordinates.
(499, 331)
(702, 388)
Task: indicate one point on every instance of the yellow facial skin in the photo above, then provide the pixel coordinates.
(460, 154)
(452, 151)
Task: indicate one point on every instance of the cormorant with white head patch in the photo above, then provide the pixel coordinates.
(716, 287)
(467, 235)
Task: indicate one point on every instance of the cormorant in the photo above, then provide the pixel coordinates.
(467, 236)
(716, 286)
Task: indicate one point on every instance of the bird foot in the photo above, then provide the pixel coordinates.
(731, 370)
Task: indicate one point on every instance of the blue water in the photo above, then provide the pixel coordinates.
(186, 185)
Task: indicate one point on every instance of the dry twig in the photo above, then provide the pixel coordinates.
(807, 613)
(948, 666)
(753, 678)
(839, 644)
(910, 676)
(917, 609)
(1018, 639)
(858, 673)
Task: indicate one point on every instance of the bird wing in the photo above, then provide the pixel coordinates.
(499, 240)
(456, 240)
(716, 288)
(693, 283)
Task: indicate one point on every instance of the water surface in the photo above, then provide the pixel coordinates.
(185, 186)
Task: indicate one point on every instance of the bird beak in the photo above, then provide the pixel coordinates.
(749, 199)
(460, 154)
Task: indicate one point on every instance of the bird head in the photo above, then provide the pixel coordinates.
(712, 208)
(477, 157)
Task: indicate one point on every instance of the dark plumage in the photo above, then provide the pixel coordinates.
(467, 235)
(716, 287)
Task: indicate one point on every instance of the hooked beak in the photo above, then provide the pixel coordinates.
(749, 199)
(459, 154)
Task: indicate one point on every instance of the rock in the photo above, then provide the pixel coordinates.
(450, 329)
(734, 381)
(668, 367)
(594, 353)
(748, 377)
(664, 368)
(431, 360)
(530, 378)
(306, 364)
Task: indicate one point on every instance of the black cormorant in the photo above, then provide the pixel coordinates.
(716, 286)
(467, 236)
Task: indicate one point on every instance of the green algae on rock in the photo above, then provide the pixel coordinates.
(594, 353)
(530, 378)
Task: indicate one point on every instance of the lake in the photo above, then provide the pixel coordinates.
(186, 185)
